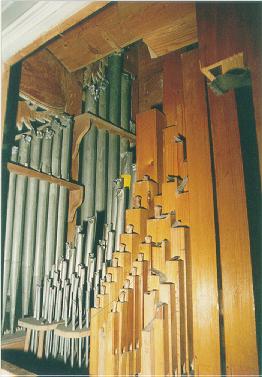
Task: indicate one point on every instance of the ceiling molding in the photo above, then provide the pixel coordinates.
(35, 22)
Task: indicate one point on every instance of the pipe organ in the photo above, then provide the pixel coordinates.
(114, 257)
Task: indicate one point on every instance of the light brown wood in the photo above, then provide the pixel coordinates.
(149, 127)
(202, 231)
(27, 340)
(117, 26)
(167, 295)
(147, 189)
(237, 284)
(38, 325)
(137, 217)
(40, 348)
(69, 333)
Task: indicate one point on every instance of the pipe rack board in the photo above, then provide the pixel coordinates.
(202, 228)
(236, 270)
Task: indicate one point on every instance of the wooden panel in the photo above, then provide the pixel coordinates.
(241, 351)
(203, 243)
(149, 154)
(117, 26)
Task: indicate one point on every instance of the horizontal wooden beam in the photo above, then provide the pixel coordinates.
(123, 23)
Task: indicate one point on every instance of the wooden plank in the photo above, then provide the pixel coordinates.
(237, 285)
(117, 26)
(9, 369)
(58, 30)
(206, 337)
(150, 154)
(173, 37)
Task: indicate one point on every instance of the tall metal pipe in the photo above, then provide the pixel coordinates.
(88, 161)
(125, 117)
(90, 238)
(30, 223)
(115, 62)
(101, 161)
(52, 215)
(63, 192)
(133, 181)
(42, 209)
(18, 226)
(9, 232)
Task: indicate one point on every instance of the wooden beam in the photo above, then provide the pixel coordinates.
(206, 345)
(237, 286)
(119, 25)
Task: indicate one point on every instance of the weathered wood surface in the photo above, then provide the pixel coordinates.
(45, 81)
(206, 346)
(121, 24)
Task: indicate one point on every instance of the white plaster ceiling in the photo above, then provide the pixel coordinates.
(24, 21)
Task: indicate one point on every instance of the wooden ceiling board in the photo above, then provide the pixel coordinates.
(121, 24)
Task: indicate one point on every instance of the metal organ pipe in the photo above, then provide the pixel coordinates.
(30, 222)
(18, 226)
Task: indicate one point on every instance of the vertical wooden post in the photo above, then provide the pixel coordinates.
(206, 345)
